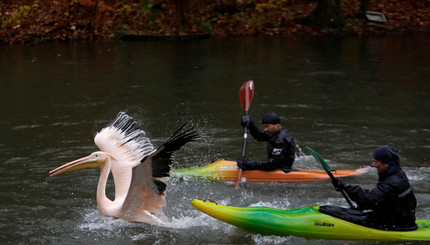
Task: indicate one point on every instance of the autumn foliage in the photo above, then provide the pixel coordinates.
(39, 20)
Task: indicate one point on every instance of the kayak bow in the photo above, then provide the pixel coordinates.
(305, 222)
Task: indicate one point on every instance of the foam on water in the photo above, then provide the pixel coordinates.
(94, 221)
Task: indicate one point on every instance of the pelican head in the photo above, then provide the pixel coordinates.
(95, 159)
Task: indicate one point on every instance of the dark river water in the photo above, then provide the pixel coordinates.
(342, 97)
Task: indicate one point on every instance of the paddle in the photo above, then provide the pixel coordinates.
(326, 167)
(246, 93)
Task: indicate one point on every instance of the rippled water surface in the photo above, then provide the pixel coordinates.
(342, 97)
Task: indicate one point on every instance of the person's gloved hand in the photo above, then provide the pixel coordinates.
(241, 163)
(246, 121)
(339, 184)
(246, 164)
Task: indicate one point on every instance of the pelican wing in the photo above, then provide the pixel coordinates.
(127, 144)
(124, 140)
(148, 185)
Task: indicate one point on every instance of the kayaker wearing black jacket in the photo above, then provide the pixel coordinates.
(280, 144)
(392, 202)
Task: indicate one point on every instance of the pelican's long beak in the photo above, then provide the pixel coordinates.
(85, 162)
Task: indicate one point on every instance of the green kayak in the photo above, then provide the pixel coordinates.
(305, 222)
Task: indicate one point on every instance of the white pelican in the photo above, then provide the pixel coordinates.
(139, 170)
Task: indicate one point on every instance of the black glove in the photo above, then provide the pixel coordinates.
(339, 184)
(240, 163)
(245, 164)
(246, 121)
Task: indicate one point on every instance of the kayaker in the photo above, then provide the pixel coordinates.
(280, 144)
(391, 203)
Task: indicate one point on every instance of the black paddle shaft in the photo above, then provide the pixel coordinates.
(334, 182)
(245, 136)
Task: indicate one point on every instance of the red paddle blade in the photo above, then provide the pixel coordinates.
(246, 93)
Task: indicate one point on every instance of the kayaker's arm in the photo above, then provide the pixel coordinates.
(247, 164)
(365, 199)
(279, 158)
(267, 165)
(256, 133)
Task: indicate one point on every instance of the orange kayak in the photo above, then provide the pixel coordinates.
(227, 170)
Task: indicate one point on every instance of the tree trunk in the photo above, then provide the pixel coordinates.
(326, 14)
(363, 8)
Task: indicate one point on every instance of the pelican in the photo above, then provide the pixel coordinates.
(139, 170)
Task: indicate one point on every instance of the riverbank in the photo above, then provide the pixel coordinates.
(35, 21)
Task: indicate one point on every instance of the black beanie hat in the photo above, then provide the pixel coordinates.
(387, 154)
(271, 118)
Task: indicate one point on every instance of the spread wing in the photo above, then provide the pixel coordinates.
(127, 144)
(124, 140)
(148, 185)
